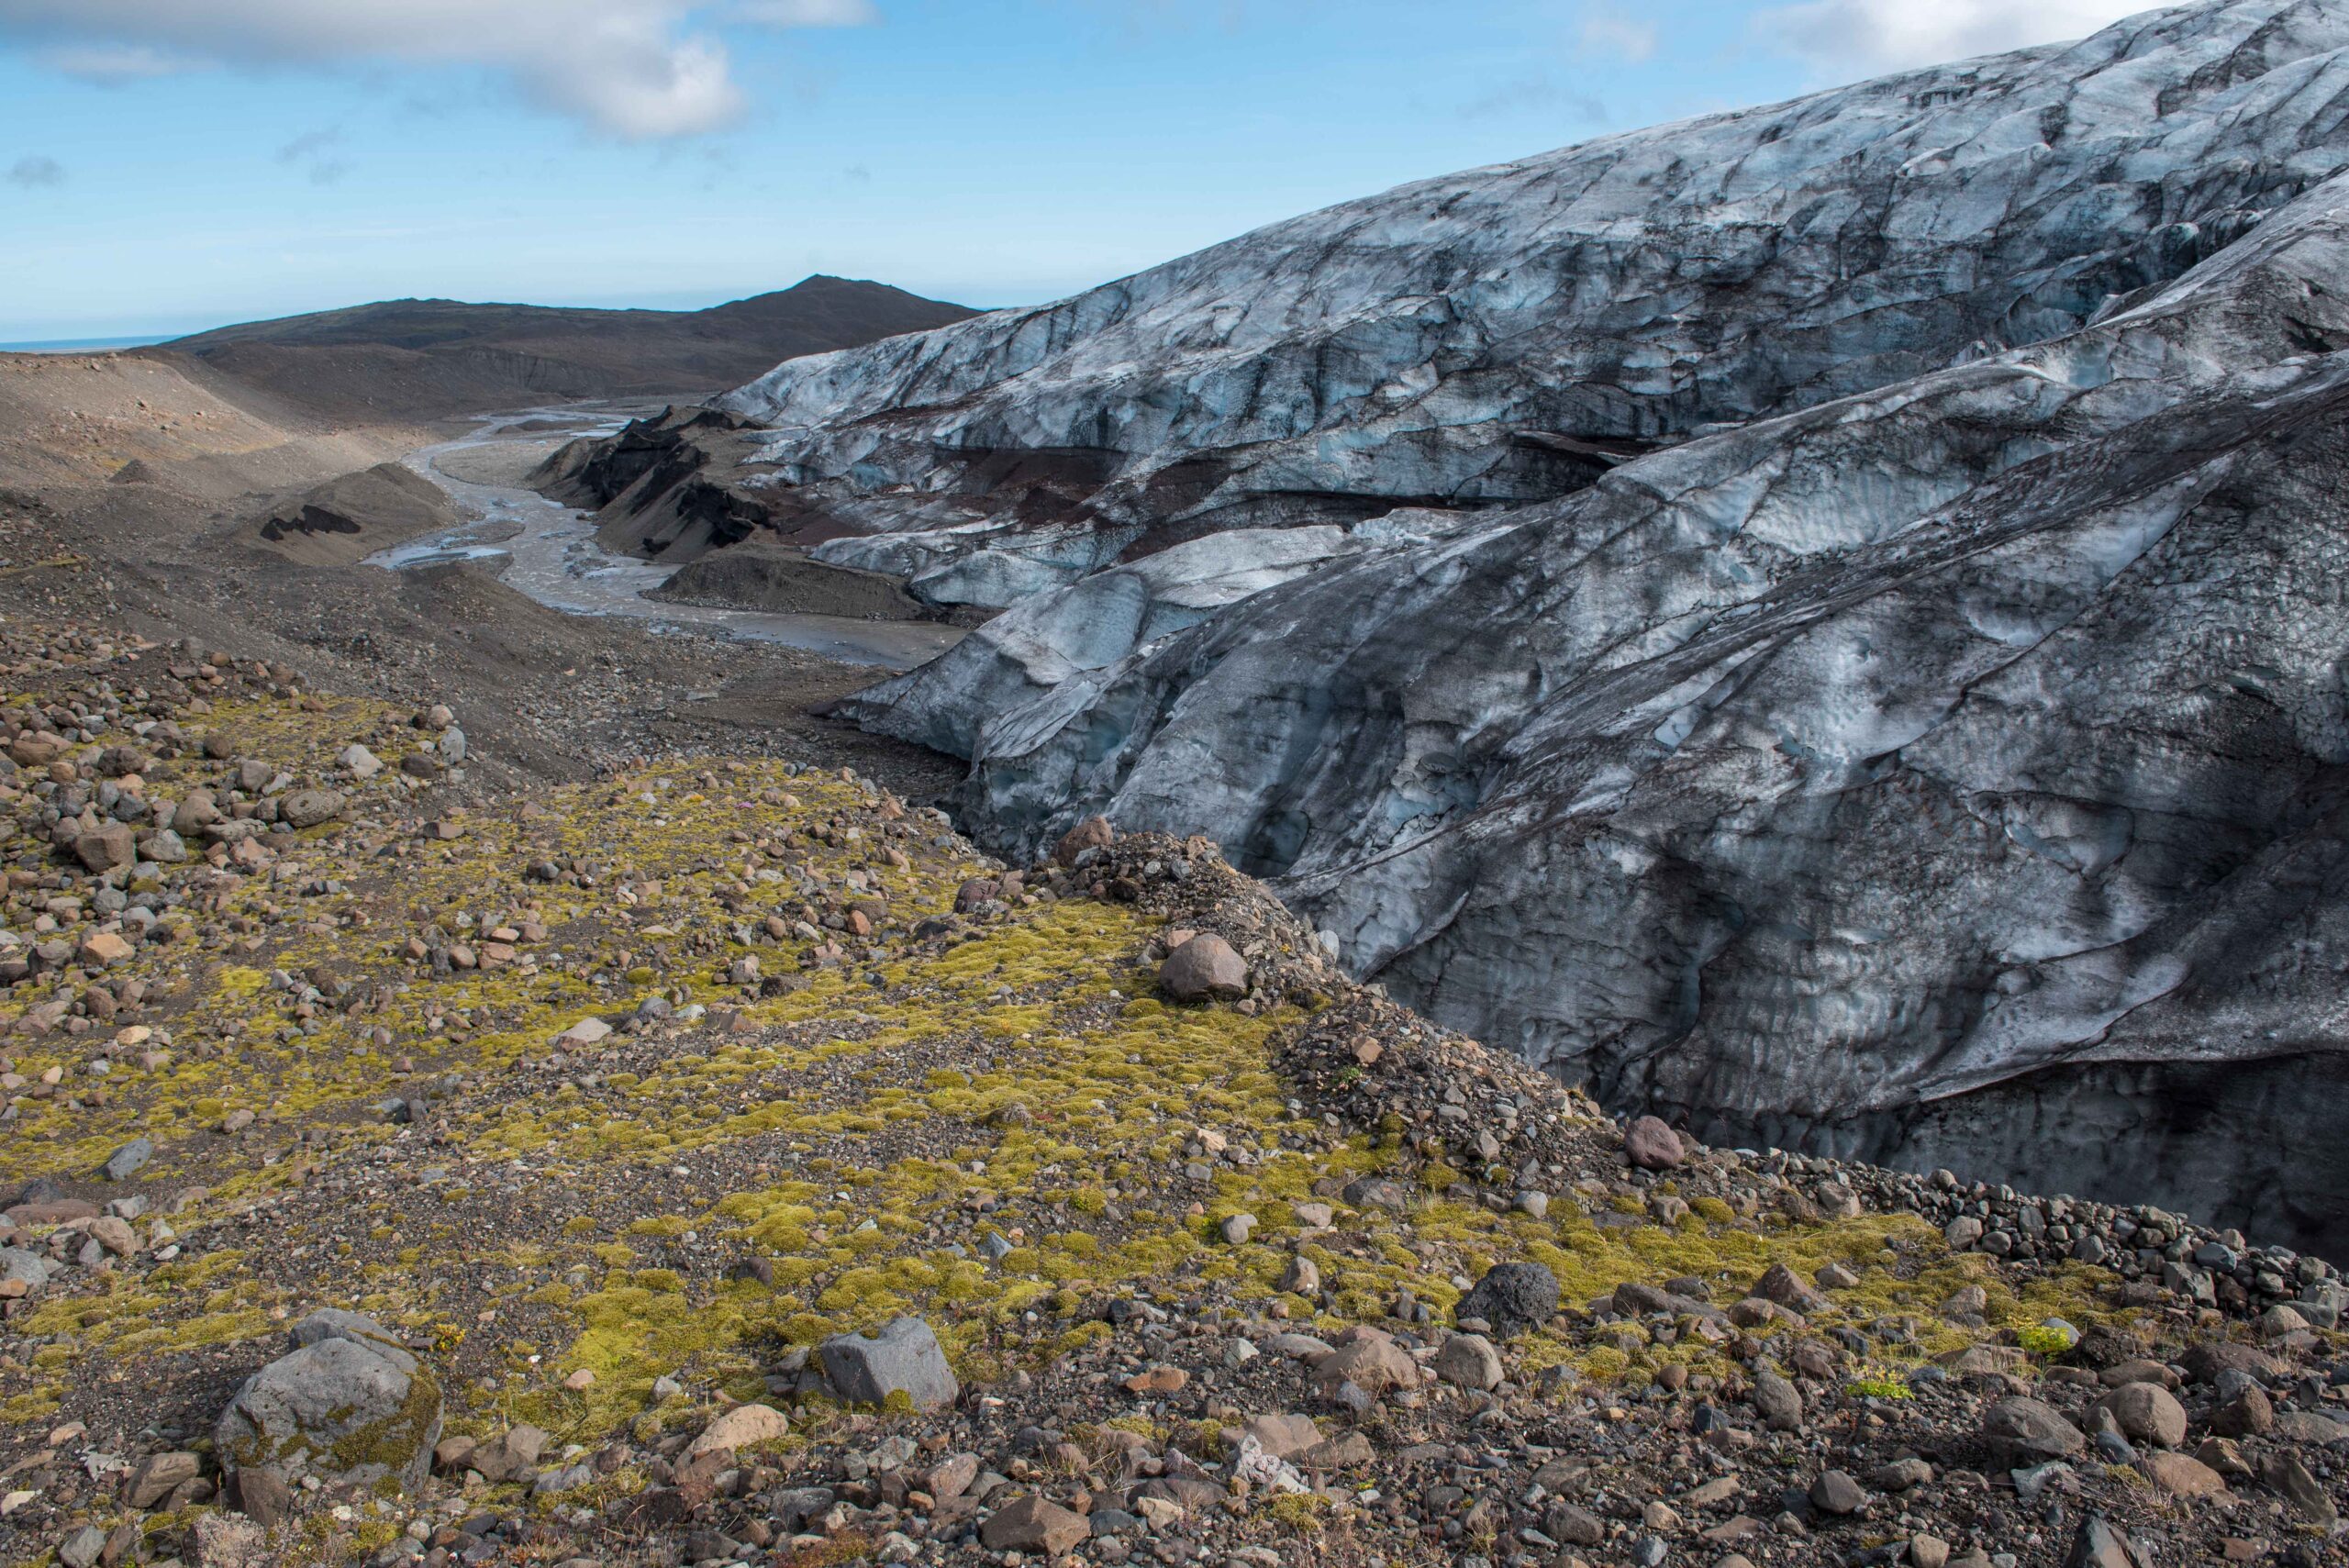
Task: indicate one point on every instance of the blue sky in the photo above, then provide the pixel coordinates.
(166, 166)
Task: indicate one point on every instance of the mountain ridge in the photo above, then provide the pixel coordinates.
(430, 359)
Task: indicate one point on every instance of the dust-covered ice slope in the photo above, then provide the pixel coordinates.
(1506, 334)
(1917, 726)
(1954, 771)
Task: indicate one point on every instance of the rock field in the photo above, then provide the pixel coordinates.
(718, 1161)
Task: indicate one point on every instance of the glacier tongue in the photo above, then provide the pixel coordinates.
(1507, 334)
(1815, 776)
(1828, 619)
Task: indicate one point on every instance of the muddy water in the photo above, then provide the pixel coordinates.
(549, 552)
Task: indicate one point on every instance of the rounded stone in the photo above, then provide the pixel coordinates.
(1469, 1360)
(1651, 1145)
(2146, 1412)
(1203, 969)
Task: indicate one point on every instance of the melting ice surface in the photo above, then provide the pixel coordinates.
(551, 554)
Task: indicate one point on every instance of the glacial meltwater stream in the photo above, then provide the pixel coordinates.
(549, 552)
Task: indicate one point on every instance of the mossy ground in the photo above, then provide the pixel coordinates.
(694, 1200)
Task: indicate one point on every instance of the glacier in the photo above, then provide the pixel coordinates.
(1826, 621)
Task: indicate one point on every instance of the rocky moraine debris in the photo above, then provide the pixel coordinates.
(722, 1162)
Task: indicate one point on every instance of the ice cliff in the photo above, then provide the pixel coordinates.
(1828, 619)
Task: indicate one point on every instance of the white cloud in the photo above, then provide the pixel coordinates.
(31, 172)
(1605, 30)
(637, 69)
(111, 65)
(809, 13)
(1893, 35)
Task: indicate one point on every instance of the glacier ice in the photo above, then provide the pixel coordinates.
(1828, 620)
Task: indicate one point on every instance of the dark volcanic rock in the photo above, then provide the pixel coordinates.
(1512, 1297)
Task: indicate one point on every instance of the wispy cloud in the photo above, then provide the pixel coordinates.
(311, 153)
(1608, 30)
(112, 65)
(1857, 36)
(809, 13)
(36, 172)
(308, 145)
(1537, 95)
(637, 69)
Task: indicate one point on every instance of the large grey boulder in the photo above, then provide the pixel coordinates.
(347, 1405)
(904, 1358)
(129, 1160)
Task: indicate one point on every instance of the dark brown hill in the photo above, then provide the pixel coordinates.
(424, 359)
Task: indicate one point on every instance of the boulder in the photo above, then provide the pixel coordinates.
(1093, 833)
(512, 1455)
(904, 1358)
(2100, 1545)
(2180, 1475)
(1512, 1297)
(2205, 1359)
(2146, 1412)
(2285, 1474)
(164, 847)
(22, 1272)
(1783, 1285)
(1836, 1493)
(741, 1428)
(1282, 1437)
(1031, 1524)
(106, 848)
(1777, 1402)
(158, 1475)
(308, 808)
(129, 1160)
(347, 1405)
(1370, 1361)
(1469, 1360)
(953, 1476)
(103, 950)
(82, 1548)
(37, 748)
(2027, 1431)
(1203, 969)
(1652, 1146)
